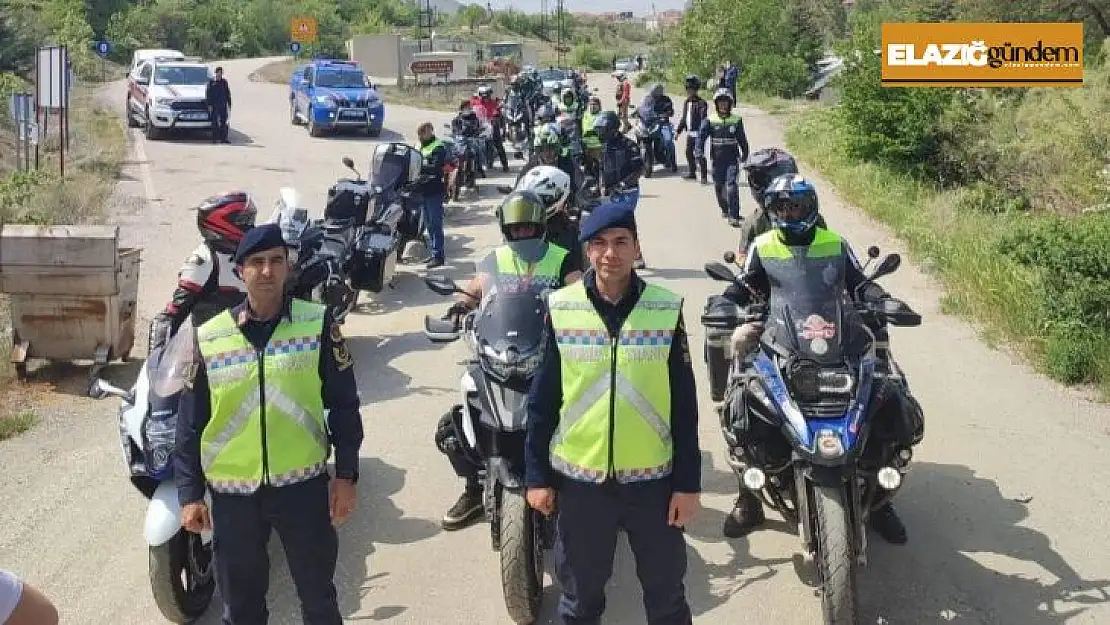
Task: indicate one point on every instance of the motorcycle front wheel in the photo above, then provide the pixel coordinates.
(181, 577)
(521, 558)
(836, 561)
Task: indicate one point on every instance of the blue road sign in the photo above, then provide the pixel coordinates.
(103, 48)
(294, 47)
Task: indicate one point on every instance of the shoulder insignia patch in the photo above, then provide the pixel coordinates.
(339, 350)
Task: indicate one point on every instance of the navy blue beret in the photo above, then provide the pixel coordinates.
(609, 215)
(259, 239)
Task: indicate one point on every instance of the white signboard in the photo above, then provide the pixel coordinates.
(54, 78)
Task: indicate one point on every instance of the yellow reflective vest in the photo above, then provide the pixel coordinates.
(267, 423)
(615, 420)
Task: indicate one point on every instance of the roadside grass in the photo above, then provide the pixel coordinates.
(963, 249)
(431, 97)
(15, 424)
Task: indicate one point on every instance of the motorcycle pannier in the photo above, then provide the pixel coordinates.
(373, 261)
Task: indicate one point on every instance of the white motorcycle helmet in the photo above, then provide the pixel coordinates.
(551, 184)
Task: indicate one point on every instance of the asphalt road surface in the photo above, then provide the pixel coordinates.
(1007, 521)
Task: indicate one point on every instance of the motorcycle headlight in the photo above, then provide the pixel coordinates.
(805, 379)
(509, 363)
(828, 445)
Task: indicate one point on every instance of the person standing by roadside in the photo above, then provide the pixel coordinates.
(694, 110)
(272, 391)
(613, 429)
(217, 95)
(431, 187)
(624, 98)
(23, 604)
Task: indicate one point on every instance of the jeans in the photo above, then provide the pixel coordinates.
(433, 220)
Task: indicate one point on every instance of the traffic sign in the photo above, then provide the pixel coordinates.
(439, 67)
(303, 29)
(103, 48)
(295, 47)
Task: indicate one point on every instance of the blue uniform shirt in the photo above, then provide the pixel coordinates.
(545, 398)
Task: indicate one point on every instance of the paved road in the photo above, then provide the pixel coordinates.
(1007, 523)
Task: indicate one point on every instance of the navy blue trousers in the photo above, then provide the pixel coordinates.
(241, 530)
(588, 520)
(725, 174)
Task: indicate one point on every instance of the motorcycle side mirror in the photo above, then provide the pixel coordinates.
(504, 189)
(873, 252)
(442, 286)
(350, 164)
(729, 257)
(719, 272)
(887, 266)
(100, 389)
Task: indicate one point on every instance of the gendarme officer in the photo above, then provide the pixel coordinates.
(613, 429)
(253, 431)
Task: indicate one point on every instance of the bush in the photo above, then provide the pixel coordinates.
(589, 56)
(1068, 255)
(785, 77)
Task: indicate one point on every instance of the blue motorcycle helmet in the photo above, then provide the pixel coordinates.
(791, 203)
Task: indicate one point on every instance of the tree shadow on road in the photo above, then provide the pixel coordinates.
(376, 521)
(377, 379)
(960, 524)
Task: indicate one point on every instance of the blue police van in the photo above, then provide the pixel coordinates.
(330, 95)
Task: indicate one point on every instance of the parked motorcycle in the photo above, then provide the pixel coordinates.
(801, 416)
(506, 338)
(179, 562)
(656, 139)
(467, 150)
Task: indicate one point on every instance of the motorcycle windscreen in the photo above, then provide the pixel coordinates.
(390, 166)
(816, 323)
(511, 336)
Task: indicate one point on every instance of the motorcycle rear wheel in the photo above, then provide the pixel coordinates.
(649, 160)
(181, 577)
(521, 558)
(836, 561)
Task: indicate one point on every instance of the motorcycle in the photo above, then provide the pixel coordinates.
(180, 562)
(506, 338)
(517, 126)
(801, 417)
(466, 152)
(656, 139)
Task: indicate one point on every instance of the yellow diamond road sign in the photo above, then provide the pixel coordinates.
(303, 29)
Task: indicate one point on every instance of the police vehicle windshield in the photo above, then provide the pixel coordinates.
(178, 75)
(345, 79)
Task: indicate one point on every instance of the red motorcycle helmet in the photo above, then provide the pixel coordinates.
(223, 219)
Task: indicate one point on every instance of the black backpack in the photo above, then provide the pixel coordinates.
(764, 166)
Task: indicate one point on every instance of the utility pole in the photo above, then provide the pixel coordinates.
(561, 47)
(543, 19)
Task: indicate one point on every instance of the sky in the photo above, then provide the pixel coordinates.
(638, 7)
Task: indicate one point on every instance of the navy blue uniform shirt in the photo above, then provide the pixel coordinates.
(545, 398)
(340, 395)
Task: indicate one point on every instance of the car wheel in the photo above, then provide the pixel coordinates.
(313, 129)
(292, 112)
(130, 115)
(152, 132)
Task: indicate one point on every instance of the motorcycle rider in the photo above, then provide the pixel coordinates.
(694, 111)
(621, 165)
(207, 283)
(466, 125)
(552, 185)
(724, 131)
(590, 141)
(791, 203)
(525, 262)
(764, 166)
(548, 149)
(489, 109)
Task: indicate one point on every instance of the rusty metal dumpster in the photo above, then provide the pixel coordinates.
(73, 293)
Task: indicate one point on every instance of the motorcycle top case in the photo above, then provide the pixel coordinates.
(765, 165)
(348, 200)
(373, 261)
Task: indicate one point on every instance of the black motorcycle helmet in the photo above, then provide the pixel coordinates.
(723, 95)
(223, 219)
(607, 125)
(693, 82)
